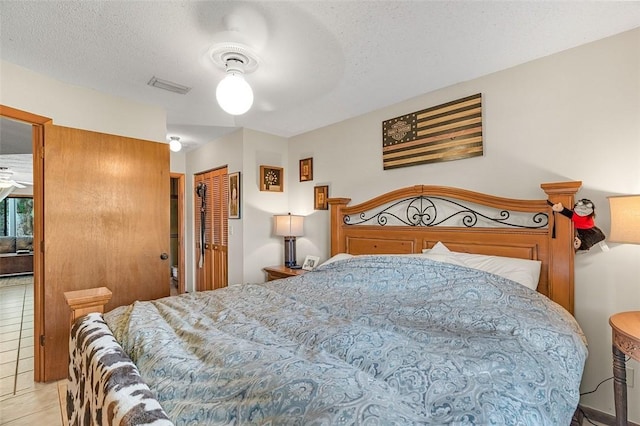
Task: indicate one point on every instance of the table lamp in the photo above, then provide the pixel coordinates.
(289, 226)
(625, 219)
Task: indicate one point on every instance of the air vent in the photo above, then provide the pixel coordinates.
(168, 85)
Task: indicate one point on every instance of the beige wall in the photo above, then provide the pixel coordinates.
(77, 107)
(251, 243)
(571, 116)
(226, 151)
(261, 247)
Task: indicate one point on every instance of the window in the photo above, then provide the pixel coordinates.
(16, 217)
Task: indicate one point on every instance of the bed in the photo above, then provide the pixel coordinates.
(438, 306)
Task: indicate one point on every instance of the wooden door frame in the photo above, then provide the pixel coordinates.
(37, 122)
(181, 248)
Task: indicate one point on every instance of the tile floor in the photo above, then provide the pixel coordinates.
(22, 401)
(16, 335)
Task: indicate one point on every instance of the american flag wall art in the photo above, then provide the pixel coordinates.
(446, 132)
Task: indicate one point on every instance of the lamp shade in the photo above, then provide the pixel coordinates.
(625, 219)
(289, 225)
(234, 95)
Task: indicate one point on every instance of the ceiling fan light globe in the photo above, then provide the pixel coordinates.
(234, 95)
(175, 145)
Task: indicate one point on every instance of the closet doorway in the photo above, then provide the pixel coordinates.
(176, 242)
(211, 212)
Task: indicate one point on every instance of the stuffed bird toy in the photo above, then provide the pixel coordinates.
(582, 216)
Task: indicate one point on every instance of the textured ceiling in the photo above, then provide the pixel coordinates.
(320, 61)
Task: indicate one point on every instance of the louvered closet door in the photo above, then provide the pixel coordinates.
(219, 247)
(200, 236)
(213, 272)
(211, 207)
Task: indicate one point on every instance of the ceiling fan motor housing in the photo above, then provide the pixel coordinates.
(234, 57)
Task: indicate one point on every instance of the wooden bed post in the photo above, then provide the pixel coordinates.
(561, 235)
(83, 302)
(337, 240)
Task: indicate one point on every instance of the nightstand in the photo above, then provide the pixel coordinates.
(625, 328)
(280, 271)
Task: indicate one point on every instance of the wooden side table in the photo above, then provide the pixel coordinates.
(280, 271)
(625, 328)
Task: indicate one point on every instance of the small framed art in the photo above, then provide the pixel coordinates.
(234, 195)
(310, 263)
(320, 196)
(306, 169)
(271, 178)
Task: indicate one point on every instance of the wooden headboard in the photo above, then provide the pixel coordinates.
(372, 228)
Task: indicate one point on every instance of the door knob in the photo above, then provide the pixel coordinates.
(164, 256)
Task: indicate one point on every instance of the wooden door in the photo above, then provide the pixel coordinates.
(106, 223)
(219, 230)
(211, 273)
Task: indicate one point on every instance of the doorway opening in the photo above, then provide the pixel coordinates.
(31, 138)
(176, 255)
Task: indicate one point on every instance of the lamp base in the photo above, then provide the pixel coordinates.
(290, 252)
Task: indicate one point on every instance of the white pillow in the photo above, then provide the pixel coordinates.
(438, 248)
(339, 256)
(523, 271)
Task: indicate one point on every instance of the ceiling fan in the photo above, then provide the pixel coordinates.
(6, 180)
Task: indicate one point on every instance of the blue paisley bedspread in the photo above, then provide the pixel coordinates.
(378, 340)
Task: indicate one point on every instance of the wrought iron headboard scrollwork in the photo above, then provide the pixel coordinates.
(412, 219)
(422, 211)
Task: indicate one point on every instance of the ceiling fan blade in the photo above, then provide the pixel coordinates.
(16, 184)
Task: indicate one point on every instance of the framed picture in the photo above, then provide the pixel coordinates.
(306, 169)
(271, 178)
(310, 263)
(234, 195)
(320, 196)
